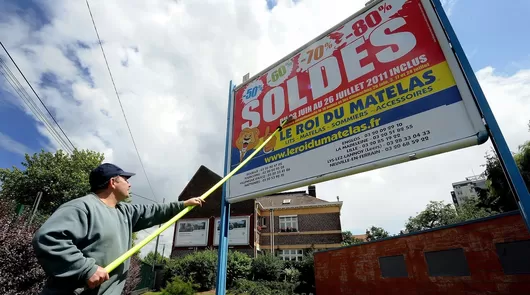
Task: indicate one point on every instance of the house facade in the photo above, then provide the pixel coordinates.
(285, 224)
(291, 223)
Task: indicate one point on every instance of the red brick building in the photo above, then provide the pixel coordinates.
(301, 221)
(199, 225)
(485, 256)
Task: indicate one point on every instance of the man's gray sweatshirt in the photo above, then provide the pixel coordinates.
(85, 233)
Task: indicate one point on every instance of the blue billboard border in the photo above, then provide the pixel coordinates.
(509, 167)
(222, 257)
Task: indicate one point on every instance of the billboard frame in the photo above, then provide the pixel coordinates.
(465, 89)
(245, 217)
(207, 229)
(492, 129)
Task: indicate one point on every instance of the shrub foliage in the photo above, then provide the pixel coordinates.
(20, 272)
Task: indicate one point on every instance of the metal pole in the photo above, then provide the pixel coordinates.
(225, 212)
(511, 171)
(271, 224)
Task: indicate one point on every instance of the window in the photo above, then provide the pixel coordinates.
(447, 263)
(286, 201)
(393, 267)
(263, 222)
(288, 223)
(514, 257)
(292, 254)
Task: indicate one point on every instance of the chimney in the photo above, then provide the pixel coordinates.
(312, 191)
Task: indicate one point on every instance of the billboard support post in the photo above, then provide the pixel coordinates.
(509, 167)
(222, 257)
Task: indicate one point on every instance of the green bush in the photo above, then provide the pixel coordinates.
(267, 267)
(291, 274)
(306, 277)
(246, 287)
(239, 267)
(199, 267)
(178, 287)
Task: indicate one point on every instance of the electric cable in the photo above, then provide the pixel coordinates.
(23, 94)
(30, 86)
(118, 96)
(134, 194)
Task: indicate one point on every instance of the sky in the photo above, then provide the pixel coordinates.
(172, 62)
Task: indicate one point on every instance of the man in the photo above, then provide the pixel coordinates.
(84, 235)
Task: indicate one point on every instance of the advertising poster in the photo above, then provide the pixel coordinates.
(382, 85)
(191, 232)
(238, 231)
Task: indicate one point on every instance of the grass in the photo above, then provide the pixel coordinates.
(201, 293)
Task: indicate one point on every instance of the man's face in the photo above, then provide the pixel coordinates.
(120, 186)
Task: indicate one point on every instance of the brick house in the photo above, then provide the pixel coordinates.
(301, 221)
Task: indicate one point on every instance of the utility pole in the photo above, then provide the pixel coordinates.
(34, 209)
(157, 240)
(156, 250)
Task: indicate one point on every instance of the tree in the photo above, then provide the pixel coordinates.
(435, 214)
(499, 196)
(470, 210)
(61, 177)
(376, 233)
(349, 239)
(150, 258)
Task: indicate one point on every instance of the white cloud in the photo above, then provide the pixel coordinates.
(181, 56)
(13, 146)
(448, 6)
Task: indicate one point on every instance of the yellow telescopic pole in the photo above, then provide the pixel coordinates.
(159, 230)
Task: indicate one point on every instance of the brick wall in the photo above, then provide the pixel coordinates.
(298, 239)
(306, 223)
(477, 265)
(309, 222)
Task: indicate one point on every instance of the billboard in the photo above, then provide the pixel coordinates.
(191, 233)
(238, 231)
(380, 88)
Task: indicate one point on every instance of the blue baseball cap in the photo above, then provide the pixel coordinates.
(100, 176)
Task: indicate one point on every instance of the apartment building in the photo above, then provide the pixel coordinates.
(290, 223)
(467, 189)
(300, 220)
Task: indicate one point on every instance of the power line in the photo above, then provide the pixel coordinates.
(23, 94)
(13, 82)
(118, 96)
(144, 198)
(24, 76)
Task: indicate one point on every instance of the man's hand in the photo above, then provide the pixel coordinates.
(194, 202)
(98, 278)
